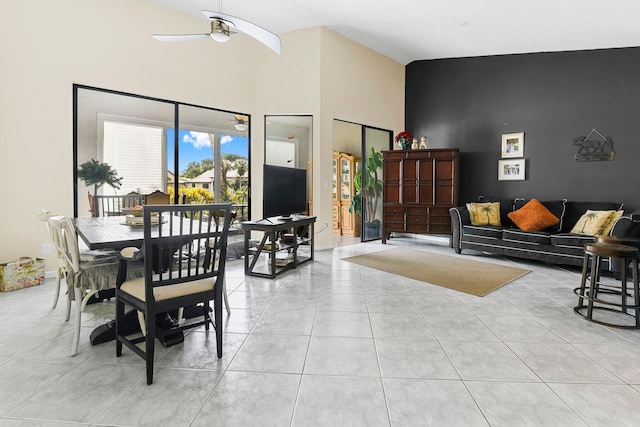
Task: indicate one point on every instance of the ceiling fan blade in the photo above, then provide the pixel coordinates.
(264, 36)
(179, 37)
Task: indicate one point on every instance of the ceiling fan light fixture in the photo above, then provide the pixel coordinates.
(220, 30)
(220, 37)
(240, 127)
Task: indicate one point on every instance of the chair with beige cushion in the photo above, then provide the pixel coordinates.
(184, 260)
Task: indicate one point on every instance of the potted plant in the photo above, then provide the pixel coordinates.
(368, 193)
(96, 173)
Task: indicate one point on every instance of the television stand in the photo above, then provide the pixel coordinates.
(282, 253)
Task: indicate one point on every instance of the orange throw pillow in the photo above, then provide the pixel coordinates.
(533, 216)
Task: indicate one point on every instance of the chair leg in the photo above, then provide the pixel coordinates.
(69, 298)
(636, 291)
(149, 348)
(583, 281)
(225, 296)
(217, 312)
(623, 283)
(55, 297)
(119, 325)
(207, 315)
(593, 286)
(76, 321)
(142, 322)
(87, 297)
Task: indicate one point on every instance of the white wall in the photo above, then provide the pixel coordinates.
(360, 86)
(48, 46)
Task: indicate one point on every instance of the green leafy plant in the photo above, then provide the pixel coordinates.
(96, 173)
(368, 189)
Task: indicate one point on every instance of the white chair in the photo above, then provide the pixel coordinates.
(44, 217)
(84, 277)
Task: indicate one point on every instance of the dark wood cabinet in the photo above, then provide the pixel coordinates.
(419, 188)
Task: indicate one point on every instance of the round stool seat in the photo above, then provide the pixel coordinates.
(611, 250)
(613, 240)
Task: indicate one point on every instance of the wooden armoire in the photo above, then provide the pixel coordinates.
(344, 166)
(419, 188)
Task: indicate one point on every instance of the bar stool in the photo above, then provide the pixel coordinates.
(593, 254)
(631, 241)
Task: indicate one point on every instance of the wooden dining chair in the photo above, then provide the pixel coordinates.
(157, 198)
(112, 205)
(184, 260)
(85, 274)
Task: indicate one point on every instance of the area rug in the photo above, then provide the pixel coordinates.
(454, 272)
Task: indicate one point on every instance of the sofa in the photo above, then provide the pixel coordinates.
(561, 242)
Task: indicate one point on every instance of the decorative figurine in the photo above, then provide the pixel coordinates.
(423, 142)
(414, 146)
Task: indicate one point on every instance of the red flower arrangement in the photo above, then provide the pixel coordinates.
(404, 139)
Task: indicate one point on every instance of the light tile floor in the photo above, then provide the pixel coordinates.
(335, 344)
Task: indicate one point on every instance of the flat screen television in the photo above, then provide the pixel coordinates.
(284, 191)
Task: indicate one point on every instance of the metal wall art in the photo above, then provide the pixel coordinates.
(593, 147)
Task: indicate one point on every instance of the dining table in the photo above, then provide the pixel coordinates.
(109, 232)
(116, 232)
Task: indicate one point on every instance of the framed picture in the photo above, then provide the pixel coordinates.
(513, 144)
(511, 170)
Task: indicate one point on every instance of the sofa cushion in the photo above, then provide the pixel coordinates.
(574, 210)
(483, 231)
(606, 228)
(533, 216)
(556, 207)
(569, 240)
(484, 213)
(593, 222)
(506, 206)
(528, 237)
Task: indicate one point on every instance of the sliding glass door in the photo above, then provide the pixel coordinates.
(373, 142)
(361, 215)
(152, 145)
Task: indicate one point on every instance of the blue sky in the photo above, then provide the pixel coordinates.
(195, 146)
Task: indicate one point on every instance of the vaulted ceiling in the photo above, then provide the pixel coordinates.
(409, 30)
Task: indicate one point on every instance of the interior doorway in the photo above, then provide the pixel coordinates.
(357, 181)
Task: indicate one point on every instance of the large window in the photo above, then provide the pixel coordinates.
(156, 144)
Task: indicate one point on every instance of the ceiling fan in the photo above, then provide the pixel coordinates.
(223, 26)
(241, 122)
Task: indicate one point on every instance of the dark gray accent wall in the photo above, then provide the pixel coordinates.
(553, 98)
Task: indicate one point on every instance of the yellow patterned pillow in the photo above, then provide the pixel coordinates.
(592, 222)
(484, 213)
(608, 225)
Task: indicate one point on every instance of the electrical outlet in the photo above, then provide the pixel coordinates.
(46, 249)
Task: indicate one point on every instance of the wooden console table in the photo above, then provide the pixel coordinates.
(281, 241)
